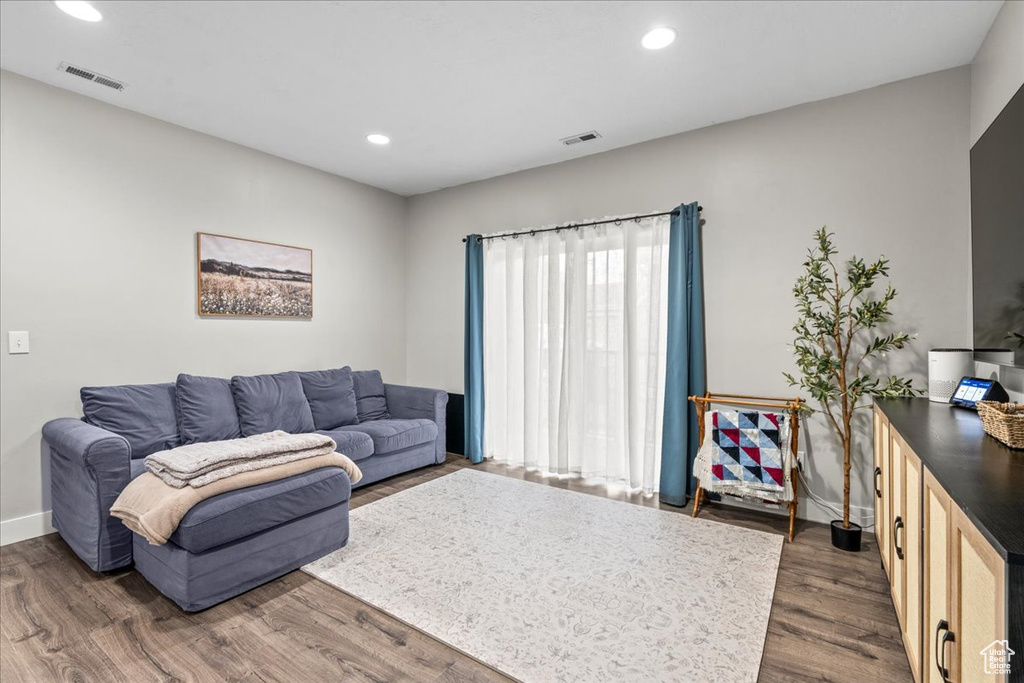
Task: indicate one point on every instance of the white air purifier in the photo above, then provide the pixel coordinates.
(1004, 356)
(946, 367)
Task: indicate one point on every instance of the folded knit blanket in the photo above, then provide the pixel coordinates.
(200, 464)
(152, 509)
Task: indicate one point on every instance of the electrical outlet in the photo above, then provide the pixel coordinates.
(800, 461)
(17, 342)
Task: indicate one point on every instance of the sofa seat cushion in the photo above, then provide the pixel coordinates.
(237, 514)
(356, 445)
(136, 467)
(394, 435)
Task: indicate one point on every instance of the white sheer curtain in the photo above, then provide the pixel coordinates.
(574, 350)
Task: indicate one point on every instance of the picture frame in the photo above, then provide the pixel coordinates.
(244, 278)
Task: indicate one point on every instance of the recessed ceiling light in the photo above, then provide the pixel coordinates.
(655, 39)
(79, 10)
(378, 139)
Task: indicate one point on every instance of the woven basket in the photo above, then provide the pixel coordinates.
(1004, 421)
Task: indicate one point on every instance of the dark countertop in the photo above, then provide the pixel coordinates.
(982, 476)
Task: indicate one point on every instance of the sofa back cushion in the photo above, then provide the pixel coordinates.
(370, 401)
(144, 414)
(332, 397)
(269, 402)
(206, 409)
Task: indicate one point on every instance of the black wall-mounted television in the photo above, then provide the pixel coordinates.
(997, 231)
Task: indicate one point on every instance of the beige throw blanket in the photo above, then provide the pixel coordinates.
(201, 464)
(152, 508)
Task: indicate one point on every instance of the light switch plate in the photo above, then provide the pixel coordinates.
(17, 342)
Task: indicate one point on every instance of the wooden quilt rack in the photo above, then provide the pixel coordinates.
(793, 405)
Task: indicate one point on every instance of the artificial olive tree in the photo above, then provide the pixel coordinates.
(839, 314)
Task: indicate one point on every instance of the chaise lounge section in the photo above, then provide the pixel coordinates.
(235, 541)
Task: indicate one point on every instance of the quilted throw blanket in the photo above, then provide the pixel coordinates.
(746, 453)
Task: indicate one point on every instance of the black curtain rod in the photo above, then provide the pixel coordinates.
(567, 226)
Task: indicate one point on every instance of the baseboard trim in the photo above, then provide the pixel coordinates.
(39, 524)
(808, 510)
(864, 516)
(24, 528)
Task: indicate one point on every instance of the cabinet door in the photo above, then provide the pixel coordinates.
(897, 534)
(978, 584)
(880, 485)
(910, 540)
(936, 560)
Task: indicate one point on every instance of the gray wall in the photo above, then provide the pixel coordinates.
(997, 71)
(97, 254)
(886, 168)
(100, 208)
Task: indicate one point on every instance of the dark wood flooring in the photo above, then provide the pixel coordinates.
(832, 619)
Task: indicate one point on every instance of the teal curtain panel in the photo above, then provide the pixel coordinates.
(474, 407)
(685, 362)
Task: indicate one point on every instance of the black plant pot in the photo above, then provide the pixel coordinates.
(846, 539)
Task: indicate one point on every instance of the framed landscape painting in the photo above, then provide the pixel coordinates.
(246, 278)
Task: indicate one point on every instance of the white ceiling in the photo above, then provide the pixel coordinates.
(471, 90)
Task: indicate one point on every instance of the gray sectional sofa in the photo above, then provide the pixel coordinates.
(230, 543)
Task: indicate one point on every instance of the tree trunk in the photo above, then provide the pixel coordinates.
(846, 478)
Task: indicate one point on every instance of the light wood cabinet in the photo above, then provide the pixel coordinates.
(896, 524)
(912, 558)
(883, 519)
(905, 546)
(978, 609)
(936, 556)
(948, 583)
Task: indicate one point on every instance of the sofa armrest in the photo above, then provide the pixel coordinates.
(89, 467)
(405, 403)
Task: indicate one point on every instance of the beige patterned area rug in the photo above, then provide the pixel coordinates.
(545, 584)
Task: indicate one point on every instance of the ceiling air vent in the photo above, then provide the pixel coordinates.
(91, 76)
(582, 137)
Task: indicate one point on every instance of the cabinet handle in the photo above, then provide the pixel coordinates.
(878, 473)
(896, 526)
(940, 648)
